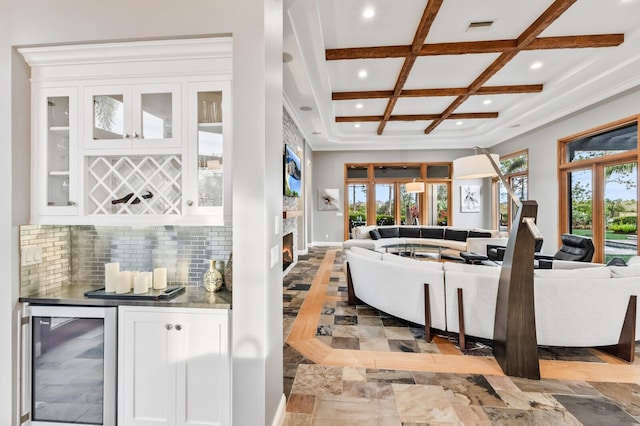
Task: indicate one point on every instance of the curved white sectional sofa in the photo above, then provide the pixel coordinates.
(452, 240)
(575, 308)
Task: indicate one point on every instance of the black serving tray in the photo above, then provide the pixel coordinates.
(168, 293)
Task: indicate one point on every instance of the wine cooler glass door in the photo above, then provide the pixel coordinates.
(73, 365)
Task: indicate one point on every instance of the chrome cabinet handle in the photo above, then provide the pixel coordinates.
(178, 327)
(189, 203)
(125, 135)
(135, 135)
(168, 326)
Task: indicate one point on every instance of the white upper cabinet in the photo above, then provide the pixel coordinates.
(134, 116)
(54, 124)
(132, 133)
(209, 154)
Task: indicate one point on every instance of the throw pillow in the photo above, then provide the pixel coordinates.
(362, 232)
(389, 232)
(375, 234)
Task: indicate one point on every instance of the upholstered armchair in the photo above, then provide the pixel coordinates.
(574, 248)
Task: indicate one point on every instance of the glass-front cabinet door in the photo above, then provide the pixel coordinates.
(57, 117)
(209, 149)
(136, 116)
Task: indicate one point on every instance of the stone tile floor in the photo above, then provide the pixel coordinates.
(335, 395)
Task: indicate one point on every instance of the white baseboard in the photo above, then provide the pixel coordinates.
(303, 252)
(282, 410)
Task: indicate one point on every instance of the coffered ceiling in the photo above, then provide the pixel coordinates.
(438, 74)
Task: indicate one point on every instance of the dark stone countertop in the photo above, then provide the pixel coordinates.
(73, 294)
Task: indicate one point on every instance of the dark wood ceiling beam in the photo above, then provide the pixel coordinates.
(378, 52)
(428, 16)
(508, 90)
(427, 93)
(552, 13)
(370, 94)
(415, 117)
(576, 42)
(467, 47)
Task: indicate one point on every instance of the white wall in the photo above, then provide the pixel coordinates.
(328, 172)
(543, 161)
(256, 26)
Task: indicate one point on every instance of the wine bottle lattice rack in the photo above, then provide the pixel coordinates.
(114, 177)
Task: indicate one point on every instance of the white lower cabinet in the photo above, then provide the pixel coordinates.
(174, 366)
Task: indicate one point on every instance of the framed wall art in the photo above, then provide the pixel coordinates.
(469, 198)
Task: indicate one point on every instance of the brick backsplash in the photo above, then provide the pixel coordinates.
(54, 270)
(77, 254)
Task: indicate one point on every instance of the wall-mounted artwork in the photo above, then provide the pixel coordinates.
(292, 173)
(329, 199)
(469, 198)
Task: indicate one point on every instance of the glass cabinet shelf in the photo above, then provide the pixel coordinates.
(59, 130)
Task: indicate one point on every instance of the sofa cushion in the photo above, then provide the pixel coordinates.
(410, 232)
(434, 233)
(625, 271)
(389, 232)
(455, 234)
(375, 234)
(479, 234)
(596, 272)
(423, 264)
(471, 269)
(371, 254)
(633, 260)
(362, 232)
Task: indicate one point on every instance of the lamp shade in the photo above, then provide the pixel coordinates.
(414, 186)
(474, 166)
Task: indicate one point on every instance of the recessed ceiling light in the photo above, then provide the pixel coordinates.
(357, 125)
(287, 57)
(362, 73)
(458, 123)
(536, 65)
(305, 108)
(487, 102)
(368, 13)
(359, 106)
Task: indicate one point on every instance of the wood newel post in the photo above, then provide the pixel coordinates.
(514, 336)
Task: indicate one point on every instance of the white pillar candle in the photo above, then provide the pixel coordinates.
(160, 278)
(123, 282)
(110, 271)
(149, 276)
(140, 284)
(134, 274)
